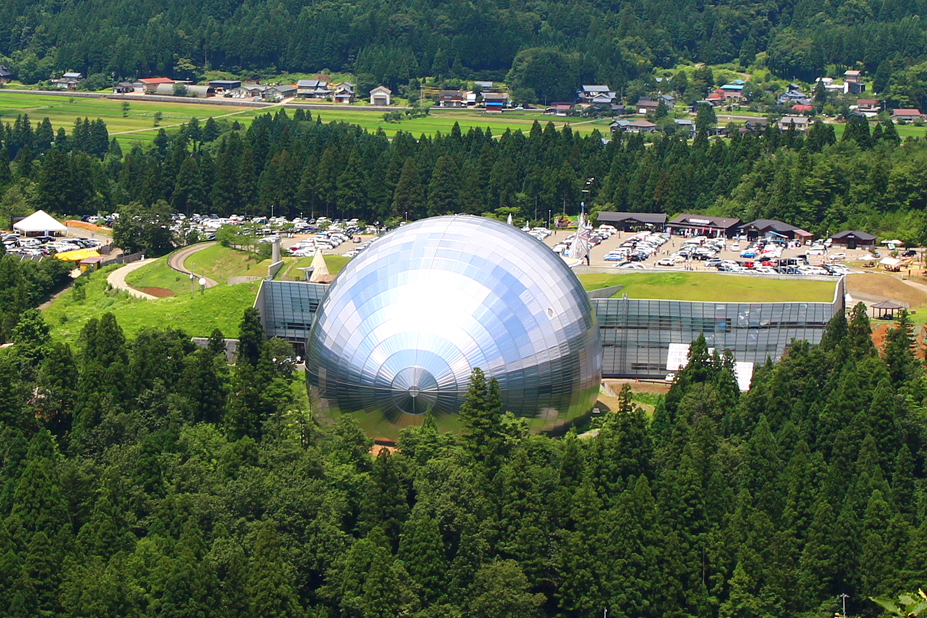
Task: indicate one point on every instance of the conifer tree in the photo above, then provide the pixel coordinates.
(270, 581)
(421, 550)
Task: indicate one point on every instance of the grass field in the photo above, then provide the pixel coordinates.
(884, 285)
(220, 263)
(220, 307)
(159, 275)
(711, 287)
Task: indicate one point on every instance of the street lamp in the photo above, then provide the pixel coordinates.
(843, 597)
(192, 277)
(202, 285)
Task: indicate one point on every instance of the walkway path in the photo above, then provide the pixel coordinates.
(117, 279)
(176, 260)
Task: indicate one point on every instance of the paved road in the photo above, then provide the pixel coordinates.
(117, 279)
(176, 260)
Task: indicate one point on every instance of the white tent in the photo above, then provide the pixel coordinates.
(39, 222)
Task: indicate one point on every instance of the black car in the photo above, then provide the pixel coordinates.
(909, 253)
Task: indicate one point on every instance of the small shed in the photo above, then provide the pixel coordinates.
(380, 96)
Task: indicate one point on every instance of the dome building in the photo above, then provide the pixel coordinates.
(404, 324)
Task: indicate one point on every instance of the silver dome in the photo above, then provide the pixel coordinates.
(404, 324)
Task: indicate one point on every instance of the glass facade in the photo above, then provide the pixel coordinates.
(636, 334)
(405, 323)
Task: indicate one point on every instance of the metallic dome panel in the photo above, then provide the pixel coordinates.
(404, 324)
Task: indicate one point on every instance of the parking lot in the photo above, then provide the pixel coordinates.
(666, 252)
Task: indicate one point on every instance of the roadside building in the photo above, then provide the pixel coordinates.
(771, 228)
(703, 225)
(150, 84)
(5, 75)
(853, 239)
(633, 221)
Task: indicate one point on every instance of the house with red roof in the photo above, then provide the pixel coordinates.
(802, 109)
(907, 115)
(150, 84)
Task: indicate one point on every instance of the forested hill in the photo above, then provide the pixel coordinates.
(146, 478)
(560, 44)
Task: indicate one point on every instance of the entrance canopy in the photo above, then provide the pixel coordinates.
(39, 223)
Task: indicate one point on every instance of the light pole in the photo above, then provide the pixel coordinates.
(192, 277)
(202, 286)
(548, 219)
(843, 597)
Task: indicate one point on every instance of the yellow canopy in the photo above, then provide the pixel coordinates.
(76, 256)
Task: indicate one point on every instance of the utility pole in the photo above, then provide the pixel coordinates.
(843, 597)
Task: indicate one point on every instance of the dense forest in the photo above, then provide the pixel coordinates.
(147, 477)
(869, 180)
(550, 47)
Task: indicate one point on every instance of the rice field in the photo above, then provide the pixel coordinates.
(138, 125)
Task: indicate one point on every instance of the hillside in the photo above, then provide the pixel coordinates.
(549, 47)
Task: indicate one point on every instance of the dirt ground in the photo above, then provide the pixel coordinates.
(157, 292)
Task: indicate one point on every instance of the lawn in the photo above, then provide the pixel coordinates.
(220, 307)
(220, 263)
(159, 275)
(291, 271)
(712, 287)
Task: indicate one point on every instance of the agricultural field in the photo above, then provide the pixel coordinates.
(711, 287)
(138, 125)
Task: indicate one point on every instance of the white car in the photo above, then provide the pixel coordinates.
(632, 266)
(666, 262)
(837, 256)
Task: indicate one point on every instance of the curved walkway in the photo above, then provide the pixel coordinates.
(176, 260)
(117, 279)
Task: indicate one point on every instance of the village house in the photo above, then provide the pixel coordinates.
(313, 88)
(733, 91)
(801, 123)
(380, 95)
(280, 92)
(559, 109)
(343, 93)
(68, 81)
(495, 101)
(450, 98)
(853, 83)
(646, 104)
(5, 75)
(869, 108)
(793, 96)
(247, 90)
(633, 126)
(905, 115)
(685, 127)
(588, 94)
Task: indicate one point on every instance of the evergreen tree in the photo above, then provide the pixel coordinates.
(270, 581)
(250, 337)
(409, 198)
